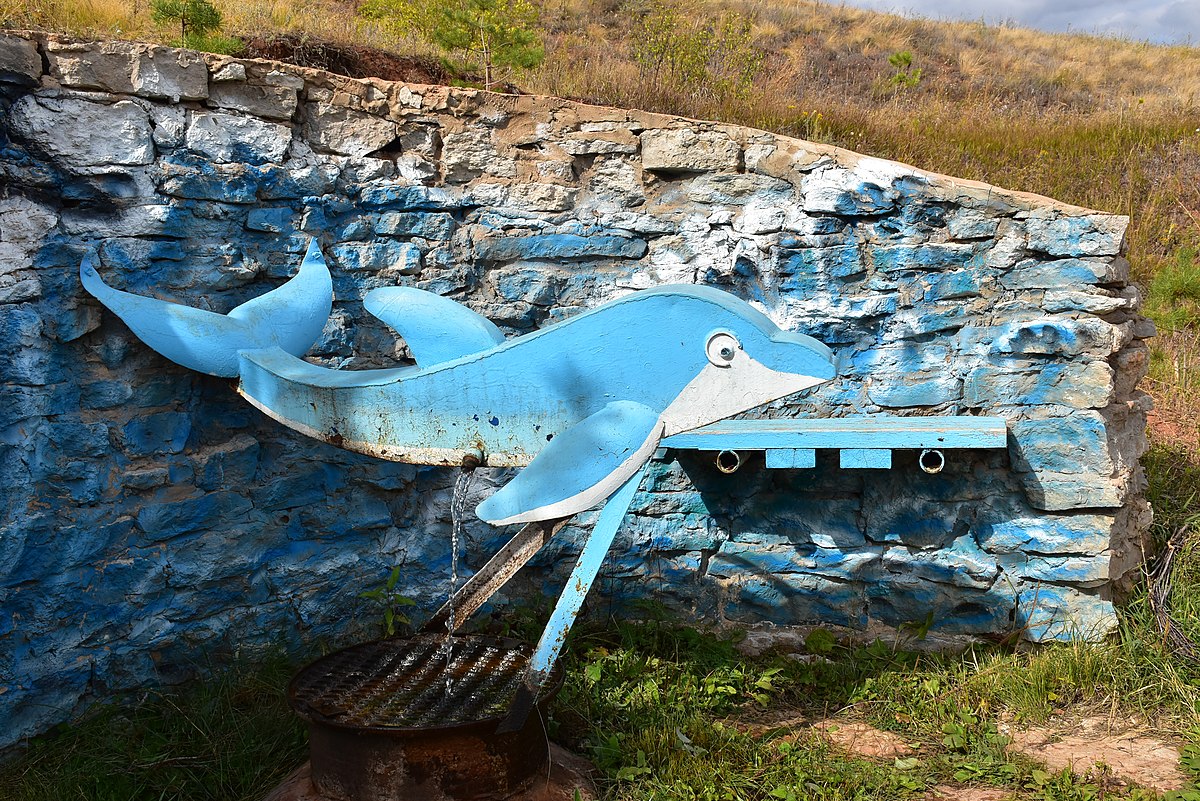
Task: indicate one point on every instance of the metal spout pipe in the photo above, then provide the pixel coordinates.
(932, 460)
(728, 461)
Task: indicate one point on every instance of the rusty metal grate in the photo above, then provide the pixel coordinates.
(426, 681)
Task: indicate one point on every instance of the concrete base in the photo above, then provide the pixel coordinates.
(568, 773)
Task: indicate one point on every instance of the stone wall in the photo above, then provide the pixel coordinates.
(150, 519)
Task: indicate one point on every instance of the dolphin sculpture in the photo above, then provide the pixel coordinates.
(584, 402)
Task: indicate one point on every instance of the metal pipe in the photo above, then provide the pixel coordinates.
(932, 460)
(728, 461)
(472, 459)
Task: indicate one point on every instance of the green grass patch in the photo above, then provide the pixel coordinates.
(228, 737)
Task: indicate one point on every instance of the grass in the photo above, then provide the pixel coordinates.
(229, 736)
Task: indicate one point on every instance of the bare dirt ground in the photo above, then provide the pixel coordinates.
(1133, 755)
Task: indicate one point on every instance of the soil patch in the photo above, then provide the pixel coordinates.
(353, 61)
(1132, 756)
(863, 740)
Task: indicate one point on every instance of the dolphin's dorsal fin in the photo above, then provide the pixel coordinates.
(436, 329)
(580, 467)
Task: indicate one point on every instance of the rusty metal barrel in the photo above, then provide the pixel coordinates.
(416, 718)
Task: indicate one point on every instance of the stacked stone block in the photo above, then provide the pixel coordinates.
(149, 518)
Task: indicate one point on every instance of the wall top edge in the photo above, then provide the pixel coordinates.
(802, 156)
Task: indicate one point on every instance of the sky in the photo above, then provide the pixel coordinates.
(1160, 21)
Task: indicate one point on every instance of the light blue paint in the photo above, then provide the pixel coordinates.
(865, 459)
(290, 318)
(879, 432)
(436, 329)
(566, 609)
(791, 458)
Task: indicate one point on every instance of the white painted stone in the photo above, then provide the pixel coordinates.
(107, 66)
(618, 181)
(580, 143)
(415, 169)
(230, 138)
(80, 133)
(169, 124)
(346, 131)
(167, 73)
(689, 150)
(280, 78)
(272, 102)
(471, 153)
(232, 71)
(24, 221)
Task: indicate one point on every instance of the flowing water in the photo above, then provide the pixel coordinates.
(458, 508)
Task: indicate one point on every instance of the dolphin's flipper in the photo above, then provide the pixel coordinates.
(290, 317)
(580, 467)
(436, 329)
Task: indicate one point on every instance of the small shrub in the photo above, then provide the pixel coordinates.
(1173, 301)
(196, 18)
(709, 58)
(495, 37)
(906, 76)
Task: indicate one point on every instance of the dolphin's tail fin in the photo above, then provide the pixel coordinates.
(290, 317)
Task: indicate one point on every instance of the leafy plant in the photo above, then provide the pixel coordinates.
(906, 76)
(391, 603)
(495, 37)
(197, 19)
(709, 57)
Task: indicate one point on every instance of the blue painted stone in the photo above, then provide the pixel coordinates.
(559, 246)
(1052, 613)
(1046, 534)
(1059, 336)
(1056, 274)
(896, 258)
(946, 608)
(163, 519)
(231, 464)
(272, 219)
(1075, 444)
(402, 258)
(797, 599)
(917, 389)
(164, 432)
(284, 183)
(1080, 571)
(1082, 386)
(429, 225)
(954, 285)
(82, 439)
(303, 486)
(841, 261)
(737, 558)
(204, 182)
(962, 564)
(408, 198)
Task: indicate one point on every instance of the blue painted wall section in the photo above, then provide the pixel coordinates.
(151, 520)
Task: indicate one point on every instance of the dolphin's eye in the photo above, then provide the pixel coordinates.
(721, 348)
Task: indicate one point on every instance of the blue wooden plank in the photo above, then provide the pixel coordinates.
(866, 458)
(846, 432)
(791, 458)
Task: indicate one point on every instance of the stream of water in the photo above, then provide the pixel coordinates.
(458, 508)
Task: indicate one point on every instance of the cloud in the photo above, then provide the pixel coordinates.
(1164, 21)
